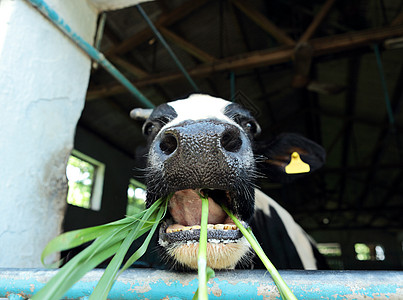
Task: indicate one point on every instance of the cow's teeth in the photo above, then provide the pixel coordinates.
(209, 226)
(219, 226)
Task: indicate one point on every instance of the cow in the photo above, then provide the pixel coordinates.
(206, 145)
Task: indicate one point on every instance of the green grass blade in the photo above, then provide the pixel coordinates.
(110, 239)
(118, 234)
(210, 274)
(280, 283)
(108, 278)
(71, 272)
(80, 264)
(140, 252)
(72, 239)
(126, 226)
(60, 284)
(202, 252)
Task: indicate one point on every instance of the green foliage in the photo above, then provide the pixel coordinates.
(81, 178)
(372, 252)
(363, 252)
(135, 197)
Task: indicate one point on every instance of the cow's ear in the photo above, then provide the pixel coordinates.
(290, 156)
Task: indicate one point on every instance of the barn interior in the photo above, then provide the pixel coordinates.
(329, 70)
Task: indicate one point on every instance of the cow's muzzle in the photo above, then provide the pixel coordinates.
(204, 154)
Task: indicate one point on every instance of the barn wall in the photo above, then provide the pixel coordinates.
(43, 80)
(118, 171)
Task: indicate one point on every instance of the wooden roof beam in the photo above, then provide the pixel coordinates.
(134, 70)
(164, 20)
(186, 46)
(317, 20)
(320, 46)
(398, 20)
(264, 23)
(119, 60)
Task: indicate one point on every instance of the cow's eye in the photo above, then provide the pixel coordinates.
(153, 126)
(148, 128)
(250, 126)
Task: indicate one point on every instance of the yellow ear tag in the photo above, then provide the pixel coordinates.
(296, 165)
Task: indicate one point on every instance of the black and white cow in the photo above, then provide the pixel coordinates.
(205, 144)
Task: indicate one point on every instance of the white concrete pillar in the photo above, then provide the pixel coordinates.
(43, 82)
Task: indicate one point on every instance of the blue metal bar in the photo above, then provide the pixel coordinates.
(237, 284)
(52, 15)
(384, 85)
(167, 47)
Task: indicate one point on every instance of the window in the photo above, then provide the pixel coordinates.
(136, 196)
(370, 252)
(332, 252)
(86, 177)
(329, 249)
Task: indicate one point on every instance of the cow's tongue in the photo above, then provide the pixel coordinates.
(185, 209)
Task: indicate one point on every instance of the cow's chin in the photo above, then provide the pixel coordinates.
(180, 232)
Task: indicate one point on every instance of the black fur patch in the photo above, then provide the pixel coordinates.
(273, 237)
(164, 111)
(278, 152)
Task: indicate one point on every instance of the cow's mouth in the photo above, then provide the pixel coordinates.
(180, 231)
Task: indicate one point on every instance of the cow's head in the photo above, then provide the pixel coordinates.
(202, 145)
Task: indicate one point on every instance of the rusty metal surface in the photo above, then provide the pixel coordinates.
(238, 284)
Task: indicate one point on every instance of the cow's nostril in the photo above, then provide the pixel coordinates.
(168, 144)
(231, 140)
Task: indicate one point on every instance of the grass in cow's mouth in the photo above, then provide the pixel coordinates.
(285, 291)
(204, 273)
(113, 239)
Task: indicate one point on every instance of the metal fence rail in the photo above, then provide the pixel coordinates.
(239, 284)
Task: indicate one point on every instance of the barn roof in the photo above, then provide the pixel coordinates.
(330, 70)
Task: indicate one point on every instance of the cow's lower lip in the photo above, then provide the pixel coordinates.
(192, 235)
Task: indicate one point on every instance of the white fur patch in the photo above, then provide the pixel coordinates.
(199, 107)
(219, 255)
